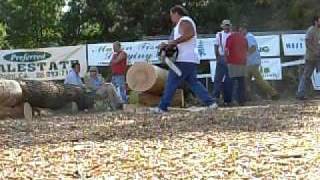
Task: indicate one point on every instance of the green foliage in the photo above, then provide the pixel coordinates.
(3, 35)
(31, 23)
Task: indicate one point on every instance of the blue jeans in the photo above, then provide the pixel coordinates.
(307, 72)
(189, 74)
(120, 84)
(222, 71)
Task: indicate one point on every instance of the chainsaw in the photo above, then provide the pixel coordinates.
(168, 55)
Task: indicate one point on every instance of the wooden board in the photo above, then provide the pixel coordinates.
(27, 111)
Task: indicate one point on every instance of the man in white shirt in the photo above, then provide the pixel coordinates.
(221, 67)
(185, 38)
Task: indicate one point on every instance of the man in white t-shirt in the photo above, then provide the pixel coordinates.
(222, 68)
(185, 38)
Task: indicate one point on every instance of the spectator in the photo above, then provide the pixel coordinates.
(119, 67)
(253, 64)
(94, 81)
(312, 56)
(73, 77)
(101, 91)
(221, 68)
(236, 55)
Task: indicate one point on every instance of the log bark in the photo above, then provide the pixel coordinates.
(147, 78)
(54, 95)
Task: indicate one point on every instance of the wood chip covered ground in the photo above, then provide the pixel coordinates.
(275, 141)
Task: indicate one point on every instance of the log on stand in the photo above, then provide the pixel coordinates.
(147, 78)
(154, 100)
(149, 81)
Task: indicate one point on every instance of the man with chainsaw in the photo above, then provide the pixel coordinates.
(185, 66)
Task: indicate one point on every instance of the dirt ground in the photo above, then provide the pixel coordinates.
(271, 141)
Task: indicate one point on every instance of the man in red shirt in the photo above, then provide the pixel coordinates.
(118, 68)
(236, 56)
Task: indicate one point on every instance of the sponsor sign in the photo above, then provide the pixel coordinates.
(270, 69)
(41, 64)
(294, 44)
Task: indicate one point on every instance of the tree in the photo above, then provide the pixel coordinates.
(3, 35)
(31, 23)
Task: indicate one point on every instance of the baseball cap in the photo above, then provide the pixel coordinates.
(93, 68)
(226, 22)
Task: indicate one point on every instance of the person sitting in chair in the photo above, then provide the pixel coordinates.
(73, 77)
(94, 80)
(101, 91)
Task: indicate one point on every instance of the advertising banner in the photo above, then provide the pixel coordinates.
(41, 64)
(269, 46)
(270, 69)
(294, 44)
(101, 54)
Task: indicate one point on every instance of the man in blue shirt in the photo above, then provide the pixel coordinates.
(253, 64)
(73, 77)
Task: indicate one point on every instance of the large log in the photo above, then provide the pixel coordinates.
(147, 78)
(25, 97)
(48, 94)
(10, 93)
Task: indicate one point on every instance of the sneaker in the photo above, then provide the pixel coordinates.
(157, 110)
(213, 106)
(227, 104)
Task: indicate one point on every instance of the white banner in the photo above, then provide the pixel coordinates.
(101, 54)
(41, 64)
(270, 69)
(294, 44)
(269, 46)
(206, 48)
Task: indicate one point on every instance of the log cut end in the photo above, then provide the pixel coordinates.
(144, 77)
(141, 77)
